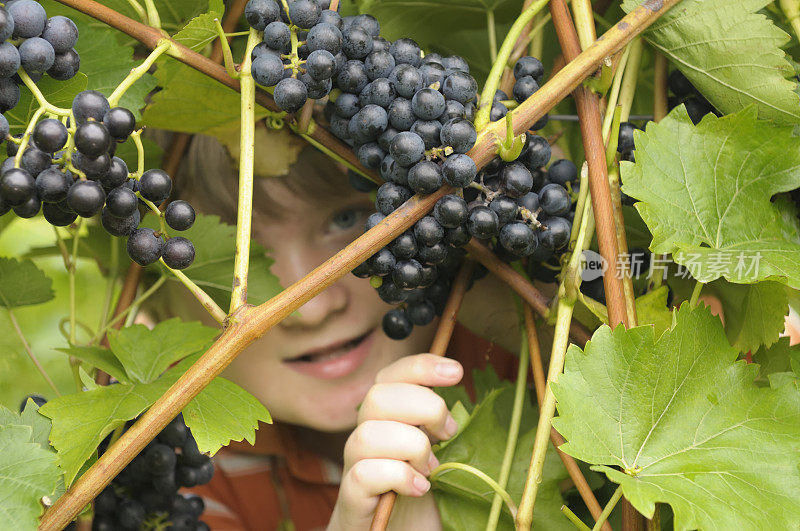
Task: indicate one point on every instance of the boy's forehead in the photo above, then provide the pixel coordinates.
(285, 198)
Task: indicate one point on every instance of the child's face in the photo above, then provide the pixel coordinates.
(315, 367)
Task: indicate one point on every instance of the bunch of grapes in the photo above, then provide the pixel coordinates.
(684, 92)
(302, 49)
(68, 171)
(145, 494)
(35, 43)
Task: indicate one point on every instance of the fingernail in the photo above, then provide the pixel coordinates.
(450, 426)
(421, 484)
(432, 463)
(447, 369)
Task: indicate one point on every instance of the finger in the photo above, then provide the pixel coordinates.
(409, 404)
(383, 439)
(429, 370)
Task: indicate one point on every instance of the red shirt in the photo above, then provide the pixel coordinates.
(256, 488)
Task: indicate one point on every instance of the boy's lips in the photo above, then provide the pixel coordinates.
(335, 360)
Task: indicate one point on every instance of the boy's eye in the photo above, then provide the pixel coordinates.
(346, 219)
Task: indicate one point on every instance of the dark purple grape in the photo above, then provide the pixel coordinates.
(482, 222)
(178, 253)
(9, 55)
(17, 186)
(89, 104)
(92, 139)
(459, 170)
(516, 179)
(179, 215)
(407, 148)
(290, 94)
(518, 238)
(155, 185)
(562, 172)
(120, 123)
(529, 66)
(120, 226)
(145, 248)
(460, 134)
(396, 324)
(450, 211)
(259, 13)
(52, 185)
(324, 36)
(65, 65)
(61, 33)
(86, 198)
(425, 177)
(36, 55)
(29, 18)
(29, 208)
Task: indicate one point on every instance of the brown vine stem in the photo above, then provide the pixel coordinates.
(608, 232)
(150, 37)
(444, 332)
(253, 322)
(570, 464)
(521, 286)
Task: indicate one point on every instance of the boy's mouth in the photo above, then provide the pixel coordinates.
(335, 360)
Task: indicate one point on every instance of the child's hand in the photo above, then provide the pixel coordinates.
(390, 449)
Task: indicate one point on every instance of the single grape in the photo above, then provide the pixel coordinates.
(86, 198)
(396, 324)
(482, 222)
(120, 226)
(536, 153)
(179, 215)
(35, 161)
(121, 202)
(36, 55)
(529, 201)
(259, 13)
(697, 108)
(385, 138)
(370, 155)
(9, 57)
(429, 131)
(17, 186)
(390, 196)
(460, 86)
(356, 42)
(524, 88)
(352, 77)
(331, 17)
(178, 253)
(391, 171)
(130, 514)
(324, 36)
(89, 104)
(428, 231)
(50, 135)
(406, 51)
(6, 24)
(404, 246)
(378, 92)
(459, 170)
(29, 18)
(290, 94)
(407, 274)
(453, 110)
(428, 104)
(92, 139)
(456, 62)
(450, 211)
(267, 70)
(529, 66)
(421, 313)
(346, 105)
(433, 254)
(433, 73)
(304, 13)
(401, 114)
(155, 185)
(65, 65)
(120, 123)
(625, 139)
(459, 134)
(321, 64)
(379, 64)
(556, 234)
(457, 236)
(518, 238)
(61, 33)
(425, 177)
(52, 185)
(144, 247)
(680, 85)
(498, 111)
(516, 179)
(382, 263)
(159, 459)
(368, 123)
(562, 172)
(368, 23)
(277, 36)
(29, 208)
(555, 200)
(9, 95)
(407, 148)
(505, 208)
(406, 80)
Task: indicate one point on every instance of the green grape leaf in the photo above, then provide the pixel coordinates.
(223, 412)
(686, 424)
(59, 93)
(212, 269)
(754, 313)
(731, 53)
(463, 499)
(82, 420)
(101, 358)
(778, 358)
(705, 195)
(183, 103)
(199, 32)
(23, 284)
(146, 353)
(652, 308)
(27, 473)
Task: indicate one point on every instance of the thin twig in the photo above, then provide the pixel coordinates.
(441, 339)
(253, 322)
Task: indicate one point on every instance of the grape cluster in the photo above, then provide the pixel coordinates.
(684, 92)
(35, 43)
(67, 172)
(145, 493)
(302, 49)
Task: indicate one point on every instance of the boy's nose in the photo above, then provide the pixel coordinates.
(293, 266)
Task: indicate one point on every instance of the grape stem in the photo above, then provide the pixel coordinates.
(572, 517)
(48, 107)
(136, 136)
(608, 508)
(492, 30)
(520, 395)
(253, 322)
(204, 298)
(487, 96)
(136, 73)
(27, 348)
(698, 287)
(140, 11)
(245, 202)
(225, 46)
(153, 18)
(121, 315)
(27, 135)
(500, 491)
